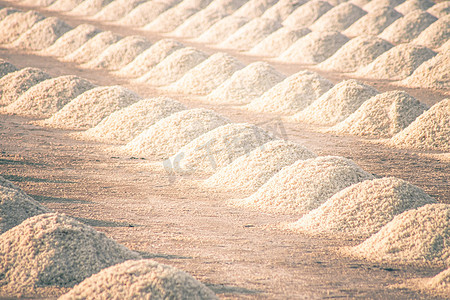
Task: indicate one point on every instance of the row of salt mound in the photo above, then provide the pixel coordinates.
(173, 67)
(282, 9)
(246, 84)
(291, 95)
(218, 148)
(119, 54)
(382, 116)
(415, 237)
(374, 22)
(14, 84)
(6, 68)
(430, 131)
(145, 61)
(304, 185)
(89, 108)
(375, 5)
(307, 14)
(249, 172)
(412, 5)
(116, 9)
(207, 75)
(224, 28)
(143, 279)
(127, 123)
(64, 5)
(47, 97)
(145, 13)
(254, 8)
(337, 104)
(89, 7)
(12, 26)
(397, 63)
(440, 10)
(362, 209)
(54, 251)
(436, 34)
(358, 52)
(168, 135)
(438, 285)
(338, 18)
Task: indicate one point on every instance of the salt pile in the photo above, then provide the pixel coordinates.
(218, 148)
(16, 83)
(363, 209)
(358, 52)
(144, 13)
(143, 279)
(173, 67)
(72, 40)
(338, 18)
(198, 23)
(304, 185)
(54, 250)
(412, 5)
(6, 68)
(145, 61)
(382, 116)
(207, 75)
(291, 95)
(250, 34)
(307, 14)
(47, 97)
(246, 84)
(171, 18)
(337, 104)
(116, 9)
(378, 4)
(249, 172)
(374, 22)
(277, 42)
(89, 108)
(166, 136)
(439, 285)
(282, 9)
(429, 131)
(314, 47)
(440, 9)
(415, 237)
(64, 5)
(127, 123)
(436, 34)
(119, 54)
(405, 29)
(92, 48)
(253, 8)
(222, 29)
(12, 26)
(89, 7)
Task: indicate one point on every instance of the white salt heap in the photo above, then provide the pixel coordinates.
(16, 83)
(277, 42)
(282, 9)
(218, 148)
(382, 116)
(6, 68)
(47, 97)
(436, 34)
(358, 52)
(440, 9)
(307, 14)
(13, 25)
(173, 67)
(405, 29)
(430, 131)
(116, 9)
(222, 29)
(304, 185)
(127, 123)
(396, 63)
(64, 5)
(143, 279)
(254, 8)
(412, 5)
(246, 84)
(374, 22)
(89, 7)
(291, 95)
(362, 209)
(92, 48)
(439, 285)
(54, 250)
(119, 54)
(338, 18)
(144, 13)
(375, 5)
(89, 108)
(314, 47)
(415, 237)
(198, 23)
(337, 104)
(166, 136)
(249, 172)
(171, 18)
(207, 75)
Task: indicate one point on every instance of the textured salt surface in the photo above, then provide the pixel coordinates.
(144, 13)
(253, 8)
(171, 18)
(412, 5)
(4, 12)
(436, 34)
(222, 29)
(439, 285)
(89, 7)
(64, 5)
(282, 9)
(198, 23)
(338, 18)
(378, 4)
(440, 9)
(13, 25)
(71, 40)
(278, 41)
(374, 22)
(38, 3)
(116, 9)
(6, 68)
(307, 14)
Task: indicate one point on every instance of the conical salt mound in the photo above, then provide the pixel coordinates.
(338, 18)
(171, 18)
(12, 26)
(440, 9)
(436, 34)
(89, 7)
(207, 75)
(6, 68)
(396, 63)
(277, 42)
(307, 14)
(198, 23)
(382, 116)
(92, 48)
(116, 9)
(363, 209)
(64, 5)
(47, 97)
(119, 54)
(430, 131)
(129, 122)
(405, 29)
(249, 172)
(358, 52)
(254, 8)
(14, 84)
(166, 136)
(222, 29)
(218, 148)
(54, 251)
(416, 237)
(282, 9)
(144, 13)
(89, 108)
(246, 84)
(305, 185)
(143, 279)
(291, 95)
(313, 48)
(337, 104)
(439, 285)
(375, 5)
(412, 5)
(173, 67)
